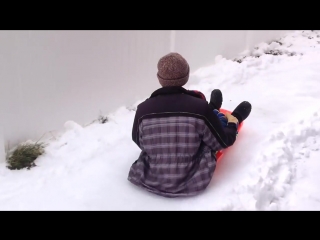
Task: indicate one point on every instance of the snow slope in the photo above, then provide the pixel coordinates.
(272, 166)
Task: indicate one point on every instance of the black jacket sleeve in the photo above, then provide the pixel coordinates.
(135, 128)
(225, 135)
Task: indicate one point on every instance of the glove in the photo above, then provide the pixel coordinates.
(232, 119)
(222, 117)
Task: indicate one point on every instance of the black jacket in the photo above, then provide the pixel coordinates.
(177, 101)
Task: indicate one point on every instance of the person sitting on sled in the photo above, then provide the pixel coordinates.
(179, 133)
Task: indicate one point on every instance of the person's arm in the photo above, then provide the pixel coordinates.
(226, 136)
(135, 128)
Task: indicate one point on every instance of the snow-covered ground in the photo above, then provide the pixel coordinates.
(273, 165)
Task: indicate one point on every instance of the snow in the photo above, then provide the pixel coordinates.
(273, 165)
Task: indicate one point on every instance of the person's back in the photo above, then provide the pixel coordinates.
(178, 135)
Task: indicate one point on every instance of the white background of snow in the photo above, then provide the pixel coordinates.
(273, 165)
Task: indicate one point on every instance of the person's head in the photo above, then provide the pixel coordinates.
(173, 70)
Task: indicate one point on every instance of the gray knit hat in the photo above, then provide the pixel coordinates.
(173, 70)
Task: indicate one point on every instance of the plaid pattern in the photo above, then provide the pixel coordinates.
(177, 158)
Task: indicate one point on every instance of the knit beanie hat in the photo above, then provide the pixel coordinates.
(173, 70)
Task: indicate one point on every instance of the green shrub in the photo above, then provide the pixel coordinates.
(24, 155)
